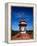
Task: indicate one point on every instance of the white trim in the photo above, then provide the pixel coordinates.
(23, 32)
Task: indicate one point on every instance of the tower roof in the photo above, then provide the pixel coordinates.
(22, 22)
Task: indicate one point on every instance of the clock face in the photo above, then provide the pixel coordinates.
(22, 28)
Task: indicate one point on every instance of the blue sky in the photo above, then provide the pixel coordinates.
(21, 12)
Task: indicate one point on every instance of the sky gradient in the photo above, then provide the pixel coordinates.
(21, 12)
